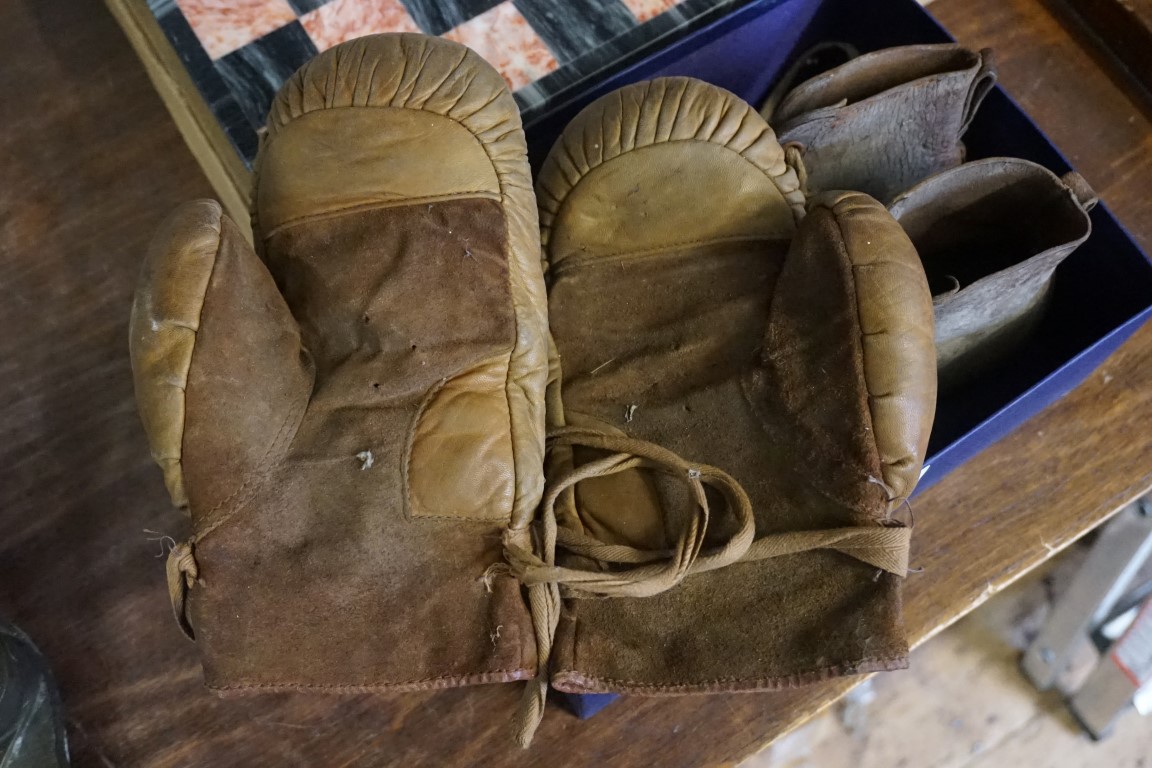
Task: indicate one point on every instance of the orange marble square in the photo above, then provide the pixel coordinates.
(342, 20)
(222, 26)
(644, 10)
(503, 37)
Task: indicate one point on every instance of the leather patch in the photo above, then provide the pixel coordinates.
(460, 461)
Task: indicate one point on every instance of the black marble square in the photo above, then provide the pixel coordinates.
(305, 6)
(573, 27)
(255, 72)
(161, 8)
(559, 87)
(590, 38)
(204, 74)
(435, 17)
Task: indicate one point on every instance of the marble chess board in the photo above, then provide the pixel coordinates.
(238, 52)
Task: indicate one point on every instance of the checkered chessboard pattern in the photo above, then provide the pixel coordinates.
(238, 52)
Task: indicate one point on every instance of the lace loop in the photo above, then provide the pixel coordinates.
(654, 571)
(651, 572)
(182, 572)
(532, 558)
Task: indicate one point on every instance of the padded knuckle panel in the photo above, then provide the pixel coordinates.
(660, 111)
(369, 157)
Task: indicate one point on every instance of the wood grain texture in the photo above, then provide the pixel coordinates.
(91, 162)
(1124, 29)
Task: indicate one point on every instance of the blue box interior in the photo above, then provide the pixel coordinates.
(1102, 293)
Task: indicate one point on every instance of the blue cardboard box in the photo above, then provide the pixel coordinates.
(1102, 292)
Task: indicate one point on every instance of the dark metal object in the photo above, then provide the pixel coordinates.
(31, 725)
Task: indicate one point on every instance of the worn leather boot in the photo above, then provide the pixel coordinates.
(885, 120)
(991, 234)
(352, 419)
(738, 407)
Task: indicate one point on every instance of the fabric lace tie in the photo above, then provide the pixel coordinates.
(624, 571)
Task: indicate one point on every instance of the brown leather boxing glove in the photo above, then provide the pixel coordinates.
(738, 407)
(885, 120)
(991, 234)
(352, 419)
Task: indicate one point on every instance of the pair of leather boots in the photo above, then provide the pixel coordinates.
(990, 233)
(655, 442)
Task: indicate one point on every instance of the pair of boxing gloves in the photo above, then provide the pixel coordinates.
(645, 426)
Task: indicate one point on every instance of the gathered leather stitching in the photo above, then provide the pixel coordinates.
(583, 175)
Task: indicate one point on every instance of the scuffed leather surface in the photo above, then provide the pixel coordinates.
(991, 234)
(416, 72)
(162, 329)
(365, 400)
(651, 116)
(664, 331)
(374, 167)
(885, 120)
(870, 321)
(466, 417)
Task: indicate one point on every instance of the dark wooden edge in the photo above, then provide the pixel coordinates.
(202, 133)
(1121, 28)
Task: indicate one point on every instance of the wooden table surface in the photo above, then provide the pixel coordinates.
(90, 162)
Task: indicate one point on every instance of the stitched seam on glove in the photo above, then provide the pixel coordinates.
(859, 338)
(195, 345)
(449, 681)
(868, 664)
(374, 206)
